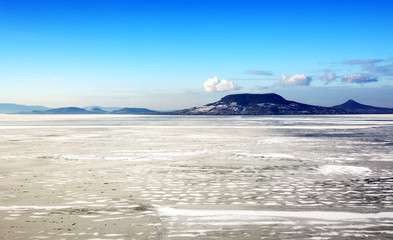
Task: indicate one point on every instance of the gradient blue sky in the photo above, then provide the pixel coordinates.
(159, 54)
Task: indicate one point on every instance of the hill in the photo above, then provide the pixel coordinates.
(134, 111)
(354, 107)
(96, 110)
(66, 110)
(106, 109)
(257, 104)
(17, 108)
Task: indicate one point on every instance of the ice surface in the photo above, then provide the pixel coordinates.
(182, 177)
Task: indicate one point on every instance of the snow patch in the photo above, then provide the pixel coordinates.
(127, 159)
(224, 215)
(340, 169)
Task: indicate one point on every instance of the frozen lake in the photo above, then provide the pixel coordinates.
(183, 177)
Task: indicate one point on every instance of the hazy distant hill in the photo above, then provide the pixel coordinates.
(257, 104)
(66, 110)
(135, 111)
(75, 110)
(352, 106)
(98, 110)
(106, 109)
(17, 108)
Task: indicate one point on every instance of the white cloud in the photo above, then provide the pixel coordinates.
(295, 80)
(225, 85)
(214, 85)
(328, 77)
(210, 84)
(358, 78)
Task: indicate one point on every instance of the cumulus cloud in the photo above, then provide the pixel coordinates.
(224, 85)
(329, 77)
(210, 84)
(258, 72)
(295, 80)
(214, 85)
(358, 78)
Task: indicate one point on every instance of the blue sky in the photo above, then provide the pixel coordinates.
(176, 54)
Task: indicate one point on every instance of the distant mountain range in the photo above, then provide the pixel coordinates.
(66, 110)
(236, 104)
(96, 110)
